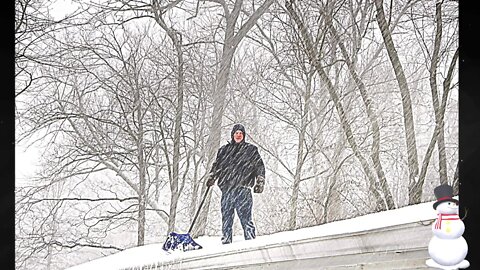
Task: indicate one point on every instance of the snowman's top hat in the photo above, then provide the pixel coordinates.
(444, 193)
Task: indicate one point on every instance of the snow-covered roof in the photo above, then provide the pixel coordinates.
(300, 244)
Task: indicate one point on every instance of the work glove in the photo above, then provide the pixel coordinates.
(258, 188)
(211, 180)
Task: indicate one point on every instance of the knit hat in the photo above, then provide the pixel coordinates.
(238, 127)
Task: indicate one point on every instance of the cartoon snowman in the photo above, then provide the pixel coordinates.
(447, 248)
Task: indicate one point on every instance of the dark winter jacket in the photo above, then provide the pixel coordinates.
(237, 164)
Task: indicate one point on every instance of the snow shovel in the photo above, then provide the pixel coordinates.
(184, 242)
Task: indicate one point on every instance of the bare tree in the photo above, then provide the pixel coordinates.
(233, 35)
(35, 27)
(45, 226)
(176, 38)
(313, 56)
(372, 115)
(96, 114)
(406, 102)
(158, 11)
(434, 56)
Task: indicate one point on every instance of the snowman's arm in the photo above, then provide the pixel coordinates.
(466, 211)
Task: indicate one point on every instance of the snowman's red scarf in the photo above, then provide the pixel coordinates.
(442, 217)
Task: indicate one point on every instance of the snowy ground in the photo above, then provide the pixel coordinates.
(152, 254)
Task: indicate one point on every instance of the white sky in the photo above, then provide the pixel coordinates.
(25, 163)
(27, 158)
(62, 7)
(150, 254)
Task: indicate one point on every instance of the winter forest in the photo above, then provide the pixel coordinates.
(353, 105)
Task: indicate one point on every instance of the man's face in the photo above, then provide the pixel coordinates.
(238, 136)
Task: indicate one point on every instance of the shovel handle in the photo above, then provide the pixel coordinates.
(199, 208)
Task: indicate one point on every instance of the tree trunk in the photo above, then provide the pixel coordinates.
(230, 45)
(442, 159)
(141, 174)
(439, 124)
(176, 38)
(328, 194)
(292, 224)
(313, 57)
(372, 116)
(198, 135)
(414, 191)
(213, 141)
(177, 41)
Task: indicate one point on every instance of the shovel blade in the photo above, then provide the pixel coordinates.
(178, 241)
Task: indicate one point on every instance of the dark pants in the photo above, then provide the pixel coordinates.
(239, 199)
